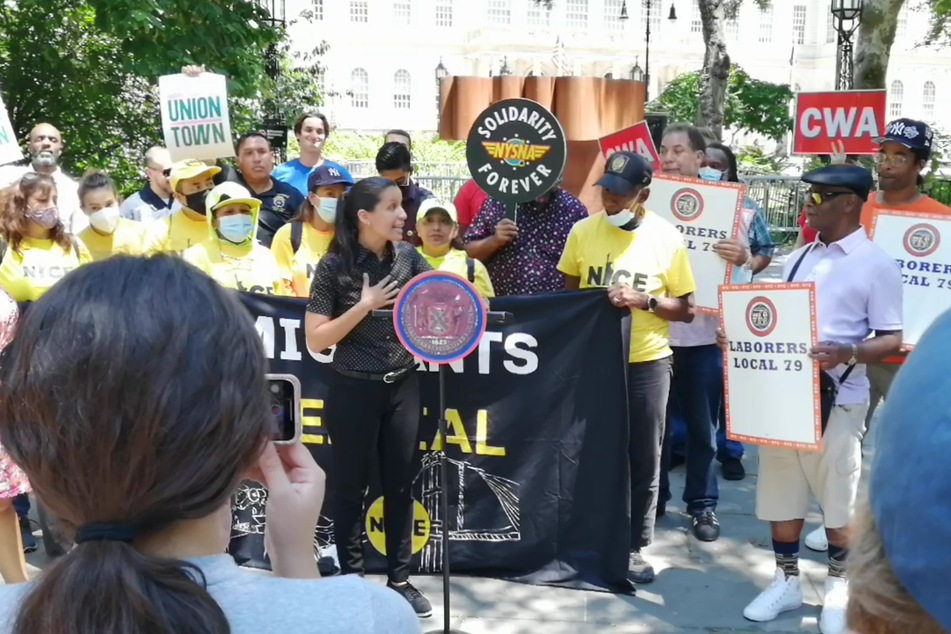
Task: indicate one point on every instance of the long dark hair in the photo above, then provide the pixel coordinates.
(14, 203)
(135, 394)
(732, 171)
(365, 194)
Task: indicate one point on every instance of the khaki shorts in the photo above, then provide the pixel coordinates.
(787, 476)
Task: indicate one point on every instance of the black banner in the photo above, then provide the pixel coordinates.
(537, 415)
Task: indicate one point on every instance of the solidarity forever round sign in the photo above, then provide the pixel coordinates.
(439, 317)
(516, 150)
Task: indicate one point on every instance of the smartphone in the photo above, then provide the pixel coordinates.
(284, 390)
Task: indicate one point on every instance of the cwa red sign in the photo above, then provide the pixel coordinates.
(855, 117)
(637, 139)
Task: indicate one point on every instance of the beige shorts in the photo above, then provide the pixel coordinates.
(787, 476)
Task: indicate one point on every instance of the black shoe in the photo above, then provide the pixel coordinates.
(638, 570)
(705, 526)
(26, 534)
(732, 469)
(408, 591)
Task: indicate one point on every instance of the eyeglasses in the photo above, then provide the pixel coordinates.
(900, 160)
(819, 198)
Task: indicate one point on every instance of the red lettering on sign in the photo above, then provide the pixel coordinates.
(855, 117)
(636, 138)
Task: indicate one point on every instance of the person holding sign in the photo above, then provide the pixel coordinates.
(231, 255)
(299, 245)
(191, 180)
(642, 260)
(373, 406)
(38, 250)
(107, 233)
(858, 293)
(438, 231)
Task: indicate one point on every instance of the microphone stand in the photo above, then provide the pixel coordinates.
(492, 317)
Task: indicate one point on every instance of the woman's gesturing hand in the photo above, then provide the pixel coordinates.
(379, 295)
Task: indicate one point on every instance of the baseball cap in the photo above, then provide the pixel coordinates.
(913, 134)
(326, 175)
(909, 483)
(626, 172)
(190, 168)
(433, 204)
(853, 177)
(230, 193)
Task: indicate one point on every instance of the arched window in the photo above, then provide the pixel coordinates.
(359, 88)
(927, 100)
(402, 90)
(895, 96)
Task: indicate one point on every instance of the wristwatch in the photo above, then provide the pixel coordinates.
(651, 304)
(855, 355)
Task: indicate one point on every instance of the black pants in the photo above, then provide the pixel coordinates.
(648, 386)
(373, 423)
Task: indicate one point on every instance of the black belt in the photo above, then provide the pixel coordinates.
(387, 377)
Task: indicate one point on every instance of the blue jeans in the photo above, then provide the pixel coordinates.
(696, 392)
(726, 449)
(21, 504)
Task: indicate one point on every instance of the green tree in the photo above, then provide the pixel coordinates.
(750, 105)
(91, 68)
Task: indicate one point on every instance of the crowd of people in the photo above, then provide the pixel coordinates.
(308, 229)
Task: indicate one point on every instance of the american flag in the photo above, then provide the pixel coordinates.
(560, 59)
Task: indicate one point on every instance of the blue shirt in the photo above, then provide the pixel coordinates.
(761, 243)
(295, 173)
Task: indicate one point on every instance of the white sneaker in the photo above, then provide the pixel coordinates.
(817, 540)
(784, 594)
(832, 619)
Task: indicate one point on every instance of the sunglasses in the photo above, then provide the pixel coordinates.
(819, 198)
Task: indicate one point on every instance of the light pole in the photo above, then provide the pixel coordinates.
(636, 73)
(846, 15)
(441, 73)
(275, 126)
(505, 70)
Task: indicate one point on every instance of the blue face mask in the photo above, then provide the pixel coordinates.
(327, 210)
(236, 229)
(710, 174)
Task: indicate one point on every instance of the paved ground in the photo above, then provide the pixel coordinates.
(699, 588)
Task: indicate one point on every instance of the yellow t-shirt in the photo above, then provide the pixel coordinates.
(652, 259)
(297, 269)
(127, 239)
(174, 234)
(455, 262)
(41, 263)
(245, 268)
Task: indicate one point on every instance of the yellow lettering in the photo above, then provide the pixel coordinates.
(457, 433)
(314, 422)
(483, 448)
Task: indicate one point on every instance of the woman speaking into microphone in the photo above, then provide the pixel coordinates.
(373, 407)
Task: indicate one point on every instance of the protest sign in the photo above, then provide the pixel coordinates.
(195, 118)
(10, 151)
(771, 385)
(854, 117)
(636, 138)
(539, 489)
(915, 241)
(705, 212)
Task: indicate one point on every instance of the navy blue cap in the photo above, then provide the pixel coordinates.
(909, 483)
(326, 175)
(853, 177)
(913, 134)
(625, 173)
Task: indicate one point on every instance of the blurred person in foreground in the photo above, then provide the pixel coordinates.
(151, 527)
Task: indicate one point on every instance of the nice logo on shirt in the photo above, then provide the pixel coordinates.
(42, 272)
(607, 276)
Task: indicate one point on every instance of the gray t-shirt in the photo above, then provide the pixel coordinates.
(256, 603)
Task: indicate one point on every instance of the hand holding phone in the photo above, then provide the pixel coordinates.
(285, 394)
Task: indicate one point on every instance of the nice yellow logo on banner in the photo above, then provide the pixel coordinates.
(422, 526)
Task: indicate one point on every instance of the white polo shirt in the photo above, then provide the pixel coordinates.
(67, 195)
(858, 290)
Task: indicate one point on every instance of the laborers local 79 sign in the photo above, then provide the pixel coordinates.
(516, 150)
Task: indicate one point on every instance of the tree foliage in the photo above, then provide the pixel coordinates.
(751, 105)
(91, 68)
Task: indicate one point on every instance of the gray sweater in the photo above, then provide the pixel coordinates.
(256, 603)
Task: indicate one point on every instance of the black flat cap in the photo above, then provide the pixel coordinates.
(853, 177)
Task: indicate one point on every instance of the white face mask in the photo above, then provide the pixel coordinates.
(710, 174)
(621, 218)
(105, 220)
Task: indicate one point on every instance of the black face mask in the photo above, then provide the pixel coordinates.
(196, 202)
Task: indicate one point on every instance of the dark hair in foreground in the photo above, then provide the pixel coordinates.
(733, 171)
(365, 194)
(134, 393)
